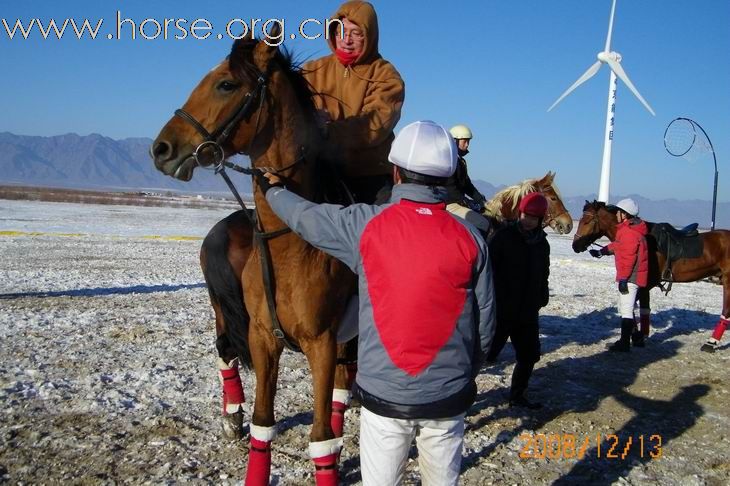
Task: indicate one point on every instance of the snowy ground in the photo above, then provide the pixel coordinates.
(107, 369)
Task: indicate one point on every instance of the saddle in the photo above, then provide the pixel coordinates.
(676, 244)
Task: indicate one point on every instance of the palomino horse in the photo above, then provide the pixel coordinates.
(598, 221)
(504, 205)
(256, 103)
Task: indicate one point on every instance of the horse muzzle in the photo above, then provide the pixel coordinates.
(170, 161)
(580, 243)
(563, 224)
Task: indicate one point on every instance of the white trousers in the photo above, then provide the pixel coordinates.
(385, 442)
(626, 302)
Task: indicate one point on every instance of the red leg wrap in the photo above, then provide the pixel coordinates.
(720, 329)
(325, 473)
(259, 463)
(337, 421)
(232, 388)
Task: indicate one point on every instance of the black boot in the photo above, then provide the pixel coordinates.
(624, 344)
(520, 378)
(637, 338)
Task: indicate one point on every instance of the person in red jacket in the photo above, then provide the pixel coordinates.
(632, 268)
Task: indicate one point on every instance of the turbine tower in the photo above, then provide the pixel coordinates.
(613, 59)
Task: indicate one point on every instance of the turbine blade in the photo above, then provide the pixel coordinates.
(610, 28)
(616, 68)
(585, 77)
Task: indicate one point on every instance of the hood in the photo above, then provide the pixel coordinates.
(636, 224)
(363, 14)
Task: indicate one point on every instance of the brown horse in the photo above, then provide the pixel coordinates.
(257, 103)
(598, 221)
(504, 205)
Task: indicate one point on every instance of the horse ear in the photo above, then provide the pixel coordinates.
(268, 46)
(548, 179)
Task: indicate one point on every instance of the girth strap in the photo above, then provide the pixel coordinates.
(267, 274)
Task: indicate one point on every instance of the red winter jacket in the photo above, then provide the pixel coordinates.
(632, 256)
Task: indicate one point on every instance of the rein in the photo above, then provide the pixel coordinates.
(214, 142)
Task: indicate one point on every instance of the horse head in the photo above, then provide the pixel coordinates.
(558, 217)
(597, 221)
(232, 111)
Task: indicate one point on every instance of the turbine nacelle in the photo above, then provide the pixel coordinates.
(604, 56)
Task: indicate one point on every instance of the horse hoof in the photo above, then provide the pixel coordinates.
(232, 425)
(708, 348)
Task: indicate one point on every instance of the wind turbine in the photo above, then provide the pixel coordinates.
(613, 59)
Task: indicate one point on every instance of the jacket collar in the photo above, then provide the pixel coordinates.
(418, 192)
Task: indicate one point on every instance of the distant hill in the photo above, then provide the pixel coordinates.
(95, 162)
(101, 163)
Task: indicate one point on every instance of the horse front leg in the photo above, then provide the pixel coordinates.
(324, 447)
(265, 354)
(712, 344)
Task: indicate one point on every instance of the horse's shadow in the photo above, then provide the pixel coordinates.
(103, 291)
(579, 391)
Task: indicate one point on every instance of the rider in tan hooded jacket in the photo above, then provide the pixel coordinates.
(360, 96)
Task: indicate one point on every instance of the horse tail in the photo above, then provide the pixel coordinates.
(223, 279)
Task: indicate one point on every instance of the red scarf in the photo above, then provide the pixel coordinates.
(346, 58)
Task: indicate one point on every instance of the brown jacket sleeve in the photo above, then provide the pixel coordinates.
(379, 115)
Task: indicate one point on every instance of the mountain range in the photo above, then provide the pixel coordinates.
(98, 162)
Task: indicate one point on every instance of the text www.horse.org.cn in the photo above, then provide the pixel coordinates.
(166, 29)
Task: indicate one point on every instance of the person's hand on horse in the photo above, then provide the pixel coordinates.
(623, 286)
(266, 180)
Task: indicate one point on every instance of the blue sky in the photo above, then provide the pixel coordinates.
(496, 66)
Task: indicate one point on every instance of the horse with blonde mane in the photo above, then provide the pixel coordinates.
(504, 205)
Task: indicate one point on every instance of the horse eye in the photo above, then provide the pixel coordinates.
(553, 198)
(227, 86)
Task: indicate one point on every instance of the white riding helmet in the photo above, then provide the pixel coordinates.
(629, 206)
(460, 132)
(426, 148)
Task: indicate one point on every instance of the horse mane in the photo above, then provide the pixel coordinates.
(493, 208)
(244, 68)
(593, 205)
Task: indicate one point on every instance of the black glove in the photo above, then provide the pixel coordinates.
(623, 286)
(595, 253)
(264, 183)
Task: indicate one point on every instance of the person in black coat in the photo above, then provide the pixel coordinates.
(520, 256)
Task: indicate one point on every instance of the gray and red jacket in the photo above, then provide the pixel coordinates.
(427, 314)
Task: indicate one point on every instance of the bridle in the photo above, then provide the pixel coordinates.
(550, 218)
(220, 135)
(214, 141)
(596, 225)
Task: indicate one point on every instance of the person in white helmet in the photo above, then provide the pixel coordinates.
(462, 197)
(632, 268)
(426, 317)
